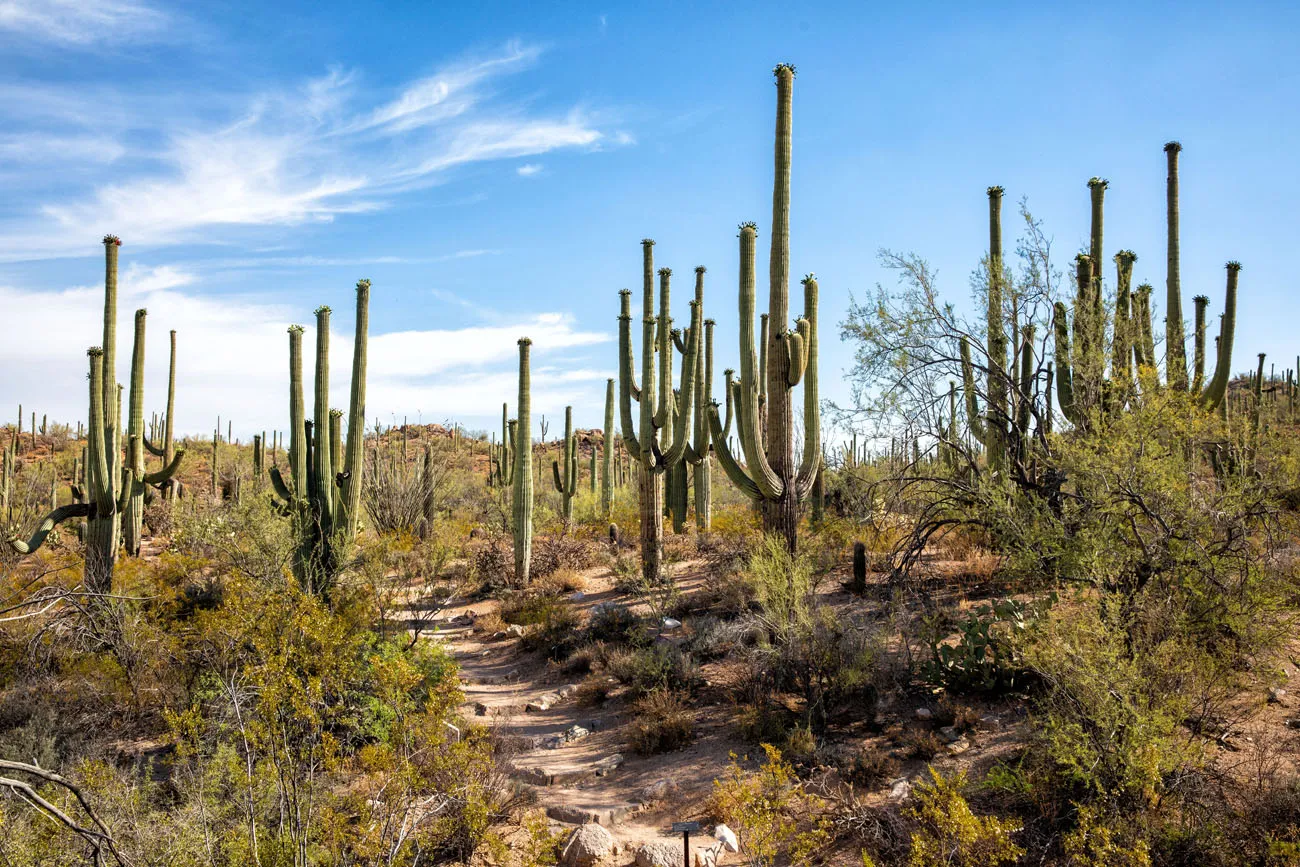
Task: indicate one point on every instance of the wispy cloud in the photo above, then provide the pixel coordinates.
(78, 22)
(300, 155)
(232, 356)
(527, 170)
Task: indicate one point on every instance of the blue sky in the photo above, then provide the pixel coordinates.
(492, 168)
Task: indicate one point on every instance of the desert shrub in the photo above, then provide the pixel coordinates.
(1094, 843)
(961, 717)
(555, 631)
(615, 624)
(660, 666)
(1111, 720)
(662, 721)
(562, 580)
(782, 582)
(871, 765)
(828, 664)
(771, 811)
(921, 744)
(553, 553)
(594, 689)
(530, 609)
(951, 835)
(492, 563)
(712, 638)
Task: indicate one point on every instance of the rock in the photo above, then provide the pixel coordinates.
(480, 709)
(1275, 695)
(672, 623)
(575, 733)
(709, 857)
(607, 765)
(578, 596)
(516, 630)
(959, 746)
(949, 734)
(590, 846)
(542, 704)
(659, 853)
(727, 838)
(900, 790)
(466, 619)
(924, 713)
(657, 791)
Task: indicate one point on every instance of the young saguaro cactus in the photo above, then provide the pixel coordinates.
(522, 481)
(651, 448)
(771, 475)
(566, 480)
(323, 497)
(1198, 349)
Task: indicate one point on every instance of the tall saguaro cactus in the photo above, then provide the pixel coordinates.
(523, 469)
(109, 484)
(1175, 348)
(650, 448)
(566, 479)
(323, 497)
(770, 475)
(1214, 393)
(607, 453)
(167, 451)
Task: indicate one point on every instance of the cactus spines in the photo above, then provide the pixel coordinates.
(1175, 349)
(566, 479)
(133, 516)
(1198, 346)
(523, 471)
(1145, 332)
(323, 467)
(995, 425)
(607, 453)
(1212, 397)
(771, 476)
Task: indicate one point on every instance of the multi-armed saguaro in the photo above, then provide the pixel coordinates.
(133, 515)
(566, 479)
(324, 498)
(771, 475)
(170, 487)
(1080, 362)
(664, 418)
(111, 485)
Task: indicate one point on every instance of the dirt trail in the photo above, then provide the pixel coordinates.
(583, 774)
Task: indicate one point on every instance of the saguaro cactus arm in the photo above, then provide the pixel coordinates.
(47, 525)
(811, 463)
(1214, 393)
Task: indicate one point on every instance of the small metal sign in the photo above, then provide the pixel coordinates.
(686, 829)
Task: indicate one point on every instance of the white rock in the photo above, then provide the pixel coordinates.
(578, 596)
(727, 838)
(659, 853)
(516, 630)
(672, 623)
(900, 790)
(589, 846)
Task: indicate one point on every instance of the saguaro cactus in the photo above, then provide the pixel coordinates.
(771, 475)
(523, 470)
(133, 515)
(664, 418)
(1175, 349)
(323, 497)
(566, 480)
(1198, 351)
(607, 454)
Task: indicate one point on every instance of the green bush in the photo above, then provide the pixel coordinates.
(660, 666)
(662, 721)
(951, 835)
